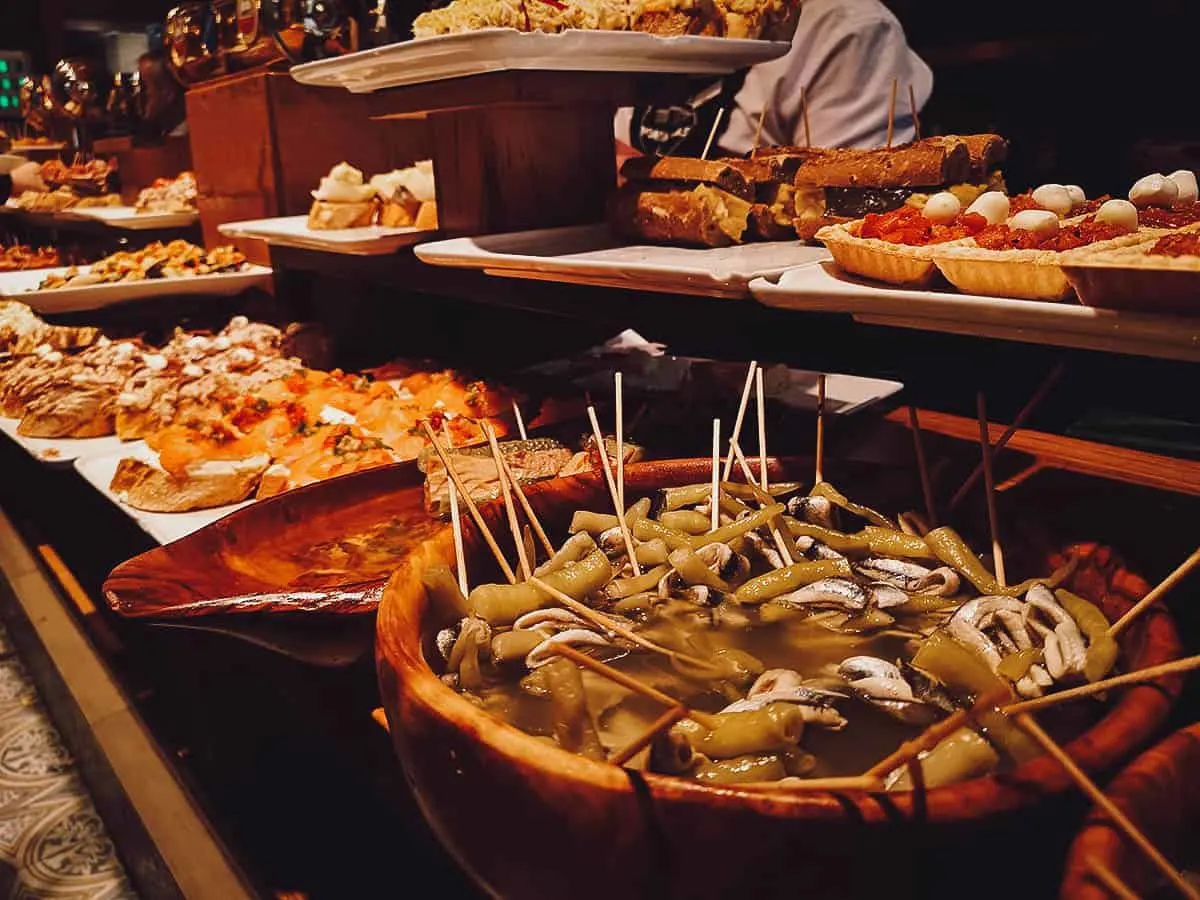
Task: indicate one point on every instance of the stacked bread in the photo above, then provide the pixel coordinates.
(789, 192)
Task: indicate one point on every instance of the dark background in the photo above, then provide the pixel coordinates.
(1088, 93)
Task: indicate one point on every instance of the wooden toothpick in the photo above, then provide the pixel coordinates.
(509, 508)
(460, 557)
(736, 436)
(989, 482)
(465, 495)
(820, 452)
(912, 105)
(762, 114)
(612, 491)
(804, 113)
(892, 114)
(520, 422)
(1155, 595)
(712, 132)
(1140, 676)
(715, 493)
(1097, 796)
(620, 436)
(919, 448)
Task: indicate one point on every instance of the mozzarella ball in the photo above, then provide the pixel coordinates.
(942, 208)
(1153, 190)
(1078, 197)
(1039, 221)
(1185, 180)
(1053, 197)
(992, 205)
(1121, 213)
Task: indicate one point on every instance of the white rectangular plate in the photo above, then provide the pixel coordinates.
(23, 286)
(499, 49)
(822, 288)
(129, 218)
(588, 254)
(98, 471)
(61, 451)
(293, 231)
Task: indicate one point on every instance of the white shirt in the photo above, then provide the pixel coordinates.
(845, 53)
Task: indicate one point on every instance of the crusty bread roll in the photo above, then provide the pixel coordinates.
(326, 216)
(704, 216)
(928, 163)
(427, 216)
(686, 171)
(987, 152)
(215, 483)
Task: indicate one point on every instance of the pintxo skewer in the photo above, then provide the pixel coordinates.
(510, 509)
(1155, 595)
(460, 558)
(739, 419)
(612, 490)
(990, 485)
(914, 423)
(465, 494)
(1140, 676)
(714, 499)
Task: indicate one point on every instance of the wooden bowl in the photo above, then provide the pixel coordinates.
(1160, 793)
(528, 820)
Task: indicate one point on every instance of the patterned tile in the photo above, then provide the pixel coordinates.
(53, 845)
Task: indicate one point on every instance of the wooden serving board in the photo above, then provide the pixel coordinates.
(325, 548)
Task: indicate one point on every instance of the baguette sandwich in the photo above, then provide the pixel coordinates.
(838, 185)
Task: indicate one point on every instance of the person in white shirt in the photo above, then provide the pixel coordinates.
(845, 54)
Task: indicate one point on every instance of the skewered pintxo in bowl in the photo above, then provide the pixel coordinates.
(636, 832)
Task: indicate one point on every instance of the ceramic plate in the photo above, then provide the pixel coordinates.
(588, 254)
(127, 217)
(822, 288)
(23, 286)
(501, 49)
(293, 231)
(61, 451)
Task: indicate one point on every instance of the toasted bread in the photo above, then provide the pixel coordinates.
(325, 216)
(147, 487)
(704, 216)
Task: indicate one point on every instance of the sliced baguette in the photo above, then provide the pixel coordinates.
(212, 483)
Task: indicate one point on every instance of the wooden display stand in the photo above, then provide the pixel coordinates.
(261, 142)
(139, 166)
(521, 150)
(512, 150)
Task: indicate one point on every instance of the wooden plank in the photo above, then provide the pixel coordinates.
(1071, 454)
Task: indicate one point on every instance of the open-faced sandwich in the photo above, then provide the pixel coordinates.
(22, 331)
(169, 195)
(408, 197)
(343, 200)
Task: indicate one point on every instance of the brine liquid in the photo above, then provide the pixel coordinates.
(799, 642)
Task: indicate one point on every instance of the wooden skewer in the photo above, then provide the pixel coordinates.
(620, 435)
(659, 725)
(714, 498)
(520, 422)
(612, 491)
(820, 454)
(867, 783)
(1155, 595)
(739, 419)
(460, 556)
(762, 114)
(785, 547)
(712, 132)
(618, 677)
(919, 446)
(1097, 796)
(1109, 879)
(993, 521)
(912, 106)
(1022, 415)
(527, 508)
(488, 537)
(935, 734)
(510, 508)
(892, 114)
(760, 409)
(1150, 673)
(804, 113)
